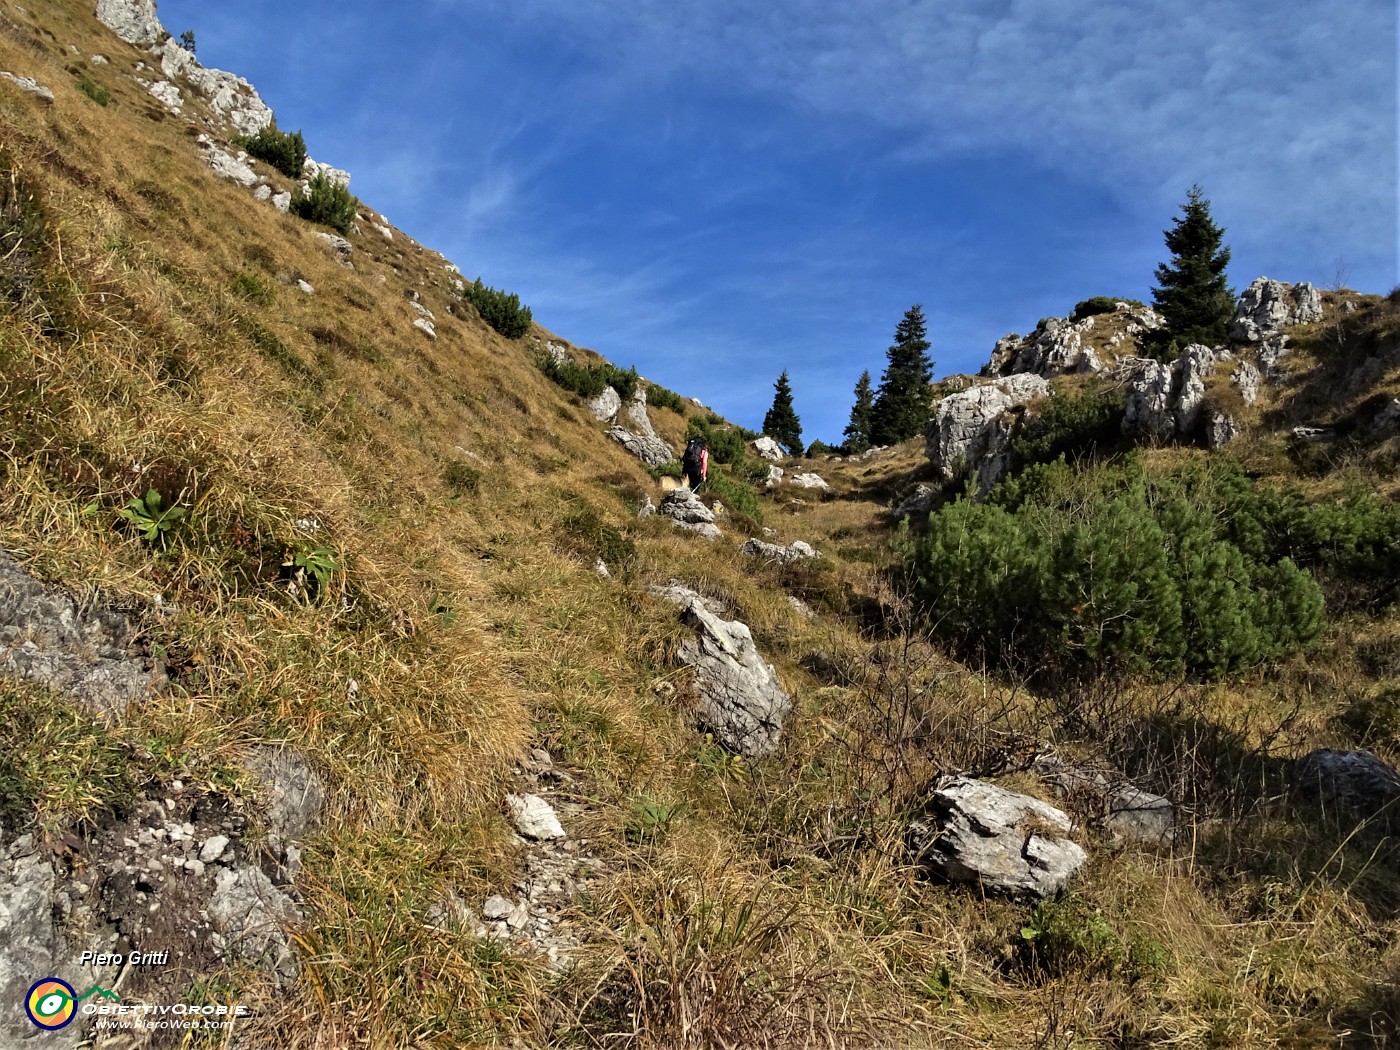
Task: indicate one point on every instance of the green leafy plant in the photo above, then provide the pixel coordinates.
(100, 95)
(649, 818)
(324, 200)
(150, 519)
(187, 40)
(501, 310)
(310, 571)
(1062, 938)
(285, 151)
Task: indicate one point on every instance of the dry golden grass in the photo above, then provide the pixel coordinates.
(169, 347)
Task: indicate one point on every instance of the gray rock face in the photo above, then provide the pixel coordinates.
(313, 168)
(1388, 418)
(425, 326)
(1248, 382)
(650, 450)
(291, 790)
(32, 945)
(1355, 780)
(1268, 306)
(916, 504)
(636, 413)
(340, 246)
(1002, 841)
(1195, 365)
(1220, 429)
(253, 915)
(534, 817)
(134, 21)
(810, 481)
(282, 201)
(28, 84)
(1148, 414)
(686, 511)
(795, 551)
(774, 478)
(766, 448)
(740, 698)
(225, 164)
(168, 95)
(604, 407)
(1057, 349)
(84, 651)
(965, 431)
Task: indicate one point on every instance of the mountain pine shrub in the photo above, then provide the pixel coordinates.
(327, 202)
(285, 152)
(501, 310)
(662, 398)
(1070, 425)
(1066, 574)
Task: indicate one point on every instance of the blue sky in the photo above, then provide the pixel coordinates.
(716, 191)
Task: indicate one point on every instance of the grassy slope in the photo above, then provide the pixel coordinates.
(165, 346)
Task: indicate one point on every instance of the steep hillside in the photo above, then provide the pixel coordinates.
(348, 665)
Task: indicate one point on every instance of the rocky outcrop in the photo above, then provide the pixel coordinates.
(1055, 349)
(795, 551)
(1001, 841)
(686, 511)
(226, 165)
(635, 412)
(1220, 428)
(1266, 307)
(810, 481)
(774, 478)
(917, 504)
(313, 168)
(1247, 381)
(1147, 414)
(78, 648)
(292, 796)
(1354, 780)
(766, 448)
(29, 85)
(650, 450)
(739, 696)
(340, 246)
(1196, 364)
(134, 21)
(968, 430)
(605, 405)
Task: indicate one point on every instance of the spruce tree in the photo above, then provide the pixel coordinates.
(1193, 295)
(857, 432)
(901, 407)
(781, 422)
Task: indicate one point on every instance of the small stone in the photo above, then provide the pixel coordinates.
(497, 907)
(194, 867)
(426, 327)
(305, 287)
(170, 804)
(213, 848)
(534, 817)
(263, 192)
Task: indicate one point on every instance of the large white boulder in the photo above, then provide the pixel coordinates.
(966, 427)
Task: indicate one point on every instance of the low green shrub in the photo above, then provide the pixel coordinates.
(588, 380)
(1064, 574)
(501, 310)
(253, 288)
(1069, 425)
(325, 201)
(285, 151)
(460, 478)
(1061, 938)
(1098, 304)
(100, 95)
(735, 493)
(660, 397)
(726, 443)
(586, 534)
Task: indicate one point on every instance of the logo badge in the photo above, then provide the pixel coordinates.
(51, 1003)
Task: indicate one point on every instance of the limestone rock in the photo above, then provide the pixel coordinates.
(917, 504)
(253, 915)
(1003, 353)
(775, 476)
(766, 448)
(1140, 815)
(28, 84)
(1312, 435)
(967, 427)
(1055, 349)
(305, 287)
(168, 95)
(534, 817)
(293, 793)
(647, 509)
(605, 406)
(134, 21)
(81, 650)
(98, 60)
(1000, 840)
(1266, 307)
(741, 700)
(262, 193)
(1220, 428)
(810, 481)
(1195, 365)
(1355, 780)
(1248, 381)
(313, 168)
(425, 326)
(650, 450)
(340, 246)
(225, 164)
(686, 511)
(1148, 414)
(795, 551)
(635, 412)
(282, 201)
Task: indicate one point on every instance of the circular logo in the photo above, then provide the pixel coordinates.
(51, 1003)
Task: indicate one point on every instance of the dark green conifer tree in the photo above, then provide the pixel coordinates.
(1192, 293)
(781, 422)
(902, 404)
(857, 432)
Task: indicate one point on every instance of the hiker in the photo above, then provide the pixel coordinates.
(695, 464)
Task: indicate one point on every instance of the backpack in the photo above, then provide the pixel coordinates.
(690, 462)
